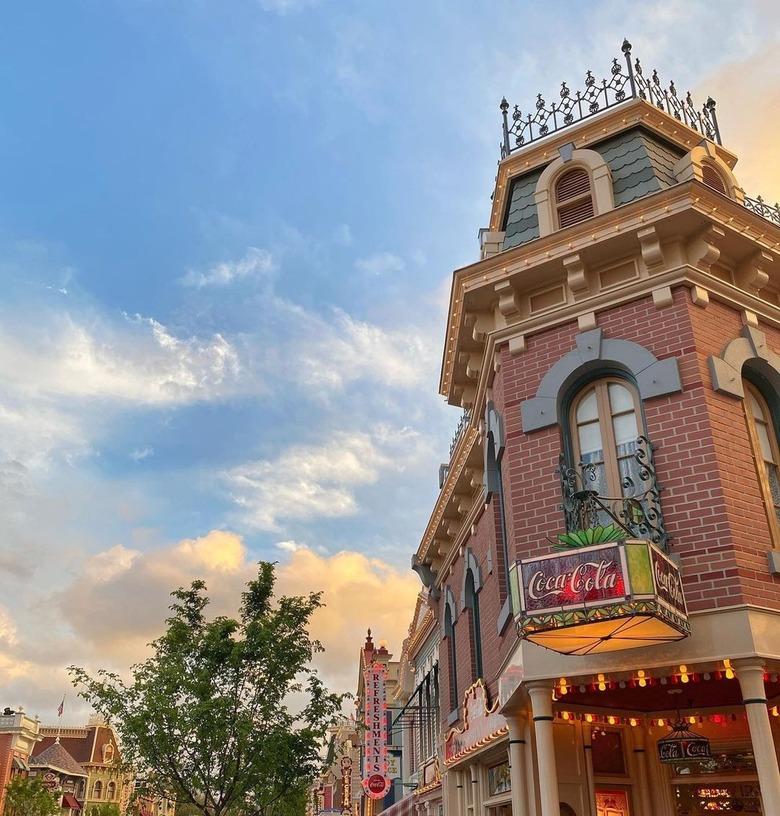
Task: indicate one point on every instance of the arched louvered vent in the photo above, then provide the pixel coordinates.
(712, 178)
(573, 197)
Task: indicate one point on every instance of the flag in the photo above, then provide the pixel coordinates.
(62, 707)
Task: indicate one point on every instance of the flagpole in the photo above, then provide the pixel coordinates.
(59, 718)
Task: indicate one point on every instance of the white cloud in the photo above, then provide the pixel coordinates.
(255, 263)
(318, 481)
(139, 454)
(108, 564)
(380, 263)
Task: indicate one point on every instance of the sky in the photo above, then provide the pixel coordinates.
(227, 235)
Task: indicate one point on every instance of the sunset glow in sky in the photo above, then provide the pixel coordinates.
(227, 231)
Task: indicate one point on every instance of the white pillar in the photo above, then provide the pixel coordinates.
(541, 707)
(640, 754)
(587, 745)
(476, 795)
(750, 673)
(516, 722)
(460, 789)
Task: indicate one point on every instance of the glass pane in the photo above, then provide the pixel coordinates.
(620, 398)
(587, 408)
(625, 429)
(763, 440)
(774, 483)
(755, 407)
(590, 441)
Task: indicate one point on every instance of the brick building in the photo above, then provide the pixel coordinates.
(616, 352)
(19, 734)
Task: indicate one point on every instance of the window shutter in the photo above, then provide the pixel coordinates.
(573, 197)
(712, 178)
(572, 184)
(576, 212)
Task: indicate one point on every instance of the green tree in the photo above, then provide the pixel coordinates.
(27, 796)
(103, 809)
(226, 715)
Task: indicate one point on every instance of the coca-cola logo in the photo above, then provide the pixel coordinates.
(587, 577)
(668, 582)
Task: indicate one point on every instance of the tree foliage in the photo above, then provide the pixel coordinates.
(27, 796)
(226, 715)
(103, 809)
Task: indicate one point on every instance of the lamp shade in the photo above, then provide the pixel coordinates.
(683, 745)
(620, 595)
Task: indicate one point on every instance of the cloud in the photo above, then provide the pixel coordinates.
(381, 263)
(115, 617)
(317, 481)
(285, 6)
(254, 264)
(139, 454)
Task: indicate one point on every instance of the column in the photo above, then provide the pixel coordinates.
(640, 755)
(516, 723)
(750, 673)
(460, 788)
(587, 745)
(541, 708)
(476, 796)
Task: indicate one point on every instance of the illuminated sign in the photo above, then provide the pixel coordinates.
(376, 782)
(346, 785)
(620, 595)
(482, 725)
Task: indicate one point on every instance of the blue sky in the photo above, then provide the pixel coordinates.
(227, 231)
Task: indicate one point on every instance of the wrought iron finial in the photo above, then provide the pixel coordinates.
(625, 82)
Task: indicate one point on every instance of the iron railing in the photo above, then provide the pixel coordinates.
(624, 83)
(637, 510)
(760, 207)
(463, 423)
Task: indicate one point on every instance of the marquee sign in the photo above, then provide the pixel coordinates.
(376, 782)
(346, 785)
(621, 595)
(482, 724)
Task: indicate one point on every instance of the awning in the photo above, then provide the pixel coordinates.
(70, 801)
(404, 807)
(20, 764)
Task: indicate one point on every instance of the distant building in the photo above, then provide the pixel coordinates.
(95, 748)
(19, 734)
(65, 778)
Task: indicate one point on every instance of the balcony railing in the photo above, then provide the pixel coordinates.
(624, 83)
(769, 211)
(463, 423)
(637, 510)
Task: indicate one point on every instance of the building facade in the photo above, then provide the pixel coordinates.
(603, 559)
(19, 735)
(62, 775)
(94, 747)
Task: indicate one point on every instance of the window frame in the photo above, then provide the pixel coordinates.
(605, 416)
(472, 603)
(758, 456)
(452, 656)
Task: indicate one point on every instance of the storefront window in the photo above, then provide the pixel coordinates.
(607, 751)
(498, 779)
(720, 797)
(722, 763)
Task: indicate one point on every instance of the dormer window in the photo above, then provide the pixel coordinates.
(573, 197)
(712, 178)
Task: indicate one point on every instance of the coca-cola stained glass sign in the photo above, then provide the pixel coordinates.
(620, 595)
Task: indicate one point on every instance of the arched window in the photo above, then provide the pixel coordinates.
(605, 422)
(97, 789)
(472, 603)
(765, 448)
(573, 197)
(712, 178)
(111, 790)
(449, 634)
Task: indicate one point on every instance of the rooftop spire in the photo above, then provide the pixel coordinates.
(625, 82)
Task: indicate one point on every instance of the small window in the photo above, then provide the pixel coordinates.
(712, 178)
(97, 790)
(765, 449)
(111, 790)
(573, 198)
(449, 633)
(605, 425)
(472, 603)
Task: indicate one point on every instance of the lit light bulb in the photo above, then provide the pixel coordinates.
(632, 722)
(775, 712)
(684, 674)
(565, 715)
(602, 684)
(660, 723)
(642, 679)
(692, 720)
(589, 718)
(611, 720)
(729, 670)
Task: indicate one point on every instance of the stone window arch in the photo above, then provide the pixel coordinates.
(703, 164)
(598, 356)
(571, 159)
(97, 789)
(111, 791)
(472, 584)
(450, 618)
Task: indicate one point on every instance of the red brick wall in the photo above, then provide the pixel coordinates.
(711, 498)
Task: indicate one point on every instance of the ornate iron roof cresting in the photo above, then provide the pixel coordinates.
(624, 83)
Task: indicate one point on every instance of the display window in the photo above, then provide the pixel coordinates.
(612, 803)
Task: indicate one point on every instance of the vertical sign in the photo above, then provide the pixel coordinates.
(346, 786)
(375, 780)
